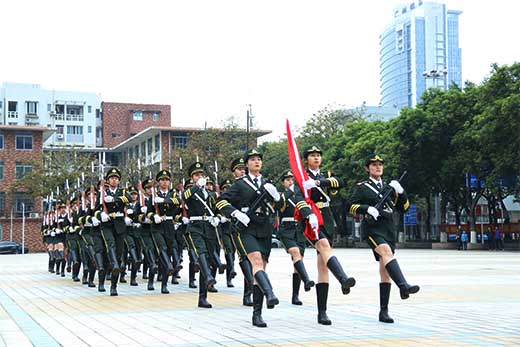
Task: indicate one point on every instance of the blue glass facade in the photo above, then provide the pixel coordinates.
(419, 49)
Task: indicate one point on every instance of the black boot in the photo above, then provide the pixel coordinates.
(230, 269)
(58, 266)
(299, 266)
(263, 282)
(91, 255)
(99, 262)
(206, 271)
(247, 270)
(203, 293)
(151, 275)
(75, 271)
(191, 276)
(133, 275)
(397, 276)
(212, 288)
(164, 284)
(91, 274)
(216, 260)
(258, 302)
(51, 261)
(177, 266)
(112, 258)
(113, 285)
(145, 268)
(336, 269)
(101, 280)
(295, 289)
(84, 279)
(63, 262)
(384, 297)
(122, 275)
(322, 293)
(167, 264)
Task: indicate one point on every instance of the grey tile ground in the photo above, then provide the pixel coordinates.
(466, 298)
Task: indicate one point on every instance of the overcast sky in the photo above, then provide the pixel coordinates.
(209, 59)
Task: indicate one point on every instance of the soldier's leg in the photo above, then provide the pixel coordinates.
(198, 243)
(166, 266)
(230, 261)
(100, 249)
(384, 294)
(247, 269)
(108, 231)
(327, 258)
(75, 258)
(52, 259)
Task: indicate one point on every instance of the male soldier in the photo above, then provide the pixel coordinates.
(133, 237)
(292, 238)
(215, 238)
(255, 238)
(73, 238)
(378, 229)
(61, 225)
(201, 227)
(145, 213)
(229, 248)
(112, 203)
(238, 168)
(168, 207)
(318, 184)
(183, 223)
(88, 223)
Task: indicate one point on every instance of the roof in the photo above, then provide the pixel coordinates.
(47, 132)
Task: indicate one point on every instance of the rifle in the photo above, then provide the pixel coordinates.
(102, 188)
(384, 200)
(140, 185)
(217, 187)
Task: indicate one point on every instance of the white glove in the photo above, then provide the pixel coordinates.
(202, 182)
(241, 216)
(95, 221)
(80, 231)
(176, 226)
(397, 186)
(144, 209)
(53, 233)
(159, 200)
(157, 219)
(128, 221)
(223, 220)
(109, 198)
(58, 231)
(373, 212)
(129, 211)
(60, 220)
(271, 189)
(310, 183)
(313, 221)
(104, 217)
(185, 220)
(147, 220)
(215, 221)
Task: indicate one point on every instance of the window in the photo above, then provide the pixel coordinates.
(24, 142)
(59, 129)
(156, 116)
(98, 113)
(150, 146)
(22, 170)
(89, 109)
(137, 151)
(138, 115)
(143, 149)
(90, 129)
(74, 130)
(32, 107)
(130, 153)
(180, 141)
(49, 107)
(21, 199)
(1, 170)
(115, 135)
(2, 203)
(1, 141)
(157, 142)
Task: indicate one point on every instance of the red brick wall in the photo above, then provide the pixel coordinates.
(10, 155)
(33, 238)
(118, 118)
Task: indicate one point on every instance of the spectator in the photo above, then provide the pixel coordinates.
(459, 241)
(498, 240)
(490, 238)
(464, 240)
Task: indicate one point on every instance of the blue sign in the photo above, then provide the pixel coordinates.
(410, 217)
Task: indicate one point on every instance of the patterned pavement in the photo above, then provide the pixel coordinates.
(467, 298)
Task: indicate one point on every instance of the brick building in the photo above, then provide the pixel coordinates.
(122, 121)
(20, 148)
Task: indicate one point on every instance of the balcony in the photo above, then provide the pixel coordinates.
(12, 114)
(74, 138)
(67, 117)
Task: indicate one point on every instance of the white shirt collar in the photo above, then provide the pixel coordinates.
(376, 182)
(292, 188)
(253, 177)
(315, 173)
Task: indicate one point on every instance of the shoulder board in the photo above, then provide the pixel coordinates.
(329, 174)
(360, 183)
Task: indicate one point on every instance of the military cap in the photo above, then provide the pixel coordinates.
(188, 184)
(372, 159)
(225, 183)
(252, 153)
(209, 181)
(312, 149)
(237, 164)
(113, 172)
(87, 191)
(59, 203)
(74, 199)
(163, 174)
(133, 190)
(147, 183)
(288, 174)
(196, 167)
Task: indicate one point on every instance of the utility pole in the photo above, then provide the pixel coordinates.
(249, 120)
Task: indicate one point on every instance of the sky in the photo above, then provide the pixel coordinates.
(210, 59)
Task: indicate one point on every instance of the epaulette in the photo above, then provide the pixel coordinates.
(361, 183)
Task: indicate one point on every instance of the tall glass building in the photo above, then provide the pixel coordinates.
(419, 49)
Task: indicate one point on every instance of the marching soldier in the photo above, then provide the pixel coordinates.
(112, 203)
(292, 238)
(201, 228)
(193, 267)
(168, 207)
(73, 237)
(246, 202)
(133, 239)
(216, 237)
(238, 168)
(61, 224)
(320, 187)
(227, 241)
(378, 229)
(89, 223)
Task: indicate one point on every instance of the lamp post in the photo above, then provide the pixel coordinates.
(436, 75)
(249, 124)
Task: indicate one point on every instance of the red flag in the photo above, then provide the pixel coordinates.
(300, 175)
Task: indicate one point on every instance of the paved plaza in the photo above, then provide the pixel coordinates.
(467, 299)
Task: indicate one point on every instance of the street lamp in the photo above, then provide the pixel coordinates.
(249, 124)
(436, 75)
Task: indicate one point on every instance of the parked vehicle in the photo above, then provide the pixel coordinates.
(11, 247)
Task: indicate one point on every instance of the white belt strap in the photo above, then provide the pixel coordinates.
(288, 219)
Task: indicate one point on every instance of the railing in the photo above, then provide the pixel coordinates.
(31, 115)
(75, 138)
(12, 114)
(68, 117)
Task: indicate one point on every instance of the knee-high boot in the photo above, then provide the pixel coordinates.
(203, 292)
(258, 302)
(230, 269)
(299, 266)
(247, 270)
(295, 289)
(384, 297)
(336, 269)
(101, 280)
(263, 282)
(206, 271)
(322, 293)
(397, 276)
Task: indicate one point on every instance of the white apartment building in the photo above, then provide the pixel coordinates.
(76, 116)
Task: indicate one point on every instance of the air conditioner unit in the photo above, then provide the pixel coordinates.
(60, 136)
(34, 215)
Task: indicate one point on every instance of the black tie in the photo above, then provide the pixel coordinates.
(256, 182)
(379, 185)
